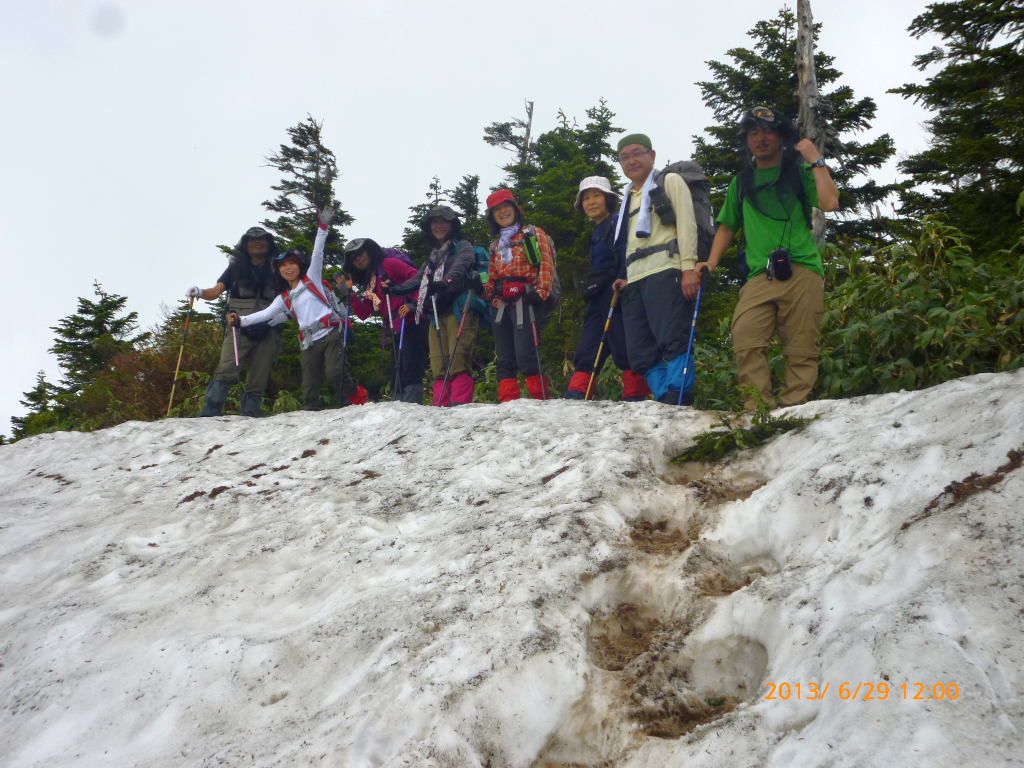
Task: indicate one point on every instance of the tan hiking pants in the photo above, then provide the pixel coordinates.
(794, 308)
(463, 355)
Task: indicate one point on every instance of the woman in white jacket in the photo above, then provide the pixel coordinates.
(307, 298)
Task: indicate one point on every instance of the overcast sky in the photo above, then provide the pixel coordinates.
(133, 133)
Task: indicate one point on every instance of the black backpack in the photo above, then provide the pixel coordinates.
(700, 192)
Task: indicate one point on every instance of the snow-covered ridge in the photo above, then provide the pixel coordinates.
(515, 585)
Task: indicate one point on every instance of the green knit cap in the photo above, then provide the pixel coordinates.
(634, 138)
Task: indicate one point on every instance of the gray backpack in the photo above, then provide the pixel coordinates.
(700, 191)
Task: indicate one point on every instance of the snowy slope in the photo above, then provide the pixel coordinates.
(516, 585)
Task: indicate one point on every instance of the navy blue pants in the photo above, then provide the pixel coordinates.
(593, 327)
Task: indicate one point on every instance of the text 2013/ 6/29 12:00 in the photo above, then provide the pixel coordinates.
(863, 691)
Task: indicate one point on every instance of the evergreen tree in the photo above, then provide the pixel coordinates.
(465, 198)
(766, 75)
(973, 169)
(40, 402)
(89, 339)
(310, 170)
(412, 235)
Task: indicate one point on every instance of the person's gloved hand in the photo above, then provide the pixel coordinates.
(453, 285)
(474, 282)
(195, 292)
(435, 286)
(532, 297)
(323, 218)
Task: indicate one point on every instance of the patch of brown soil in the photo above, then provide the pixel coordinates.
(715, 492)
(720, 584)
(368, 474)
(548, 478)
(617, 639)
(657, 539)
(672, 715)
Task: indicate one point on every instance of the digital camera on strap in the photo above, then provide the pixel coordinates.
(780, 264)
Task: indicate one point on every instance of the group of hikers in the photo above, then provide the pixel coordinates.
(649, 252)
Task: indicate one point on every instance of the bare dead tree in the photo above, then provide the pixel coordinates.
(812, 118)
(525, 154)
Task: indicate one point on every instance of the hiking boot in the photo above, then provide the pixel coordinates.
(251, 404)
(216, 395)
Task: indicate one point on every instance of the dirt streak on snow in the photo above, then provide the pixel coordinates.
(392, 585)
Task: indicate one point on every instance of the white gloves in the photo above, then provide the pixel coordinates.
(194, 292)
(324, 217)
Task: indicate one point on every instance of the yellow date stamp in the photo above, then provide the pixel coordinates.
(862, 691)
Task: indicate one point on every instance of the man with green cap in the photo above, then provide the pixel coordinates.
(251, 287)
(660, 285)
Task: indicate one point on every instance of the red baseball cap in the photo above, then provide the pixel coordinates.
(499, 197)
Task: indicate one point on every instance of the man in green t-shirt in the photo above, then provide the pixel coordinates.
(771, 201)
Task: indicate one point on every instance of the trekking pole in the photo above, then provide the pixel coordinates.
(395, 359)
(238, 365)
(536, 347)
(607, 325)
(437, 327)
(344, 340)
(689, 348)
(181, 351)
(401, 345)
(455, 346)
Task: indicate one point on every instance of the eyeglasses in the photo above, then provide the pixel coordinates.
(762, 113)
(625, 157)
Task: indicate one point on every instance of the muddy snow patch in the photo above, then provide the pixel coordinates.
(516, 585)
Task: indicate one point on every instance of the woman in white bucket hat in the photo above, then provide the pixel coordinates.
(599, 202)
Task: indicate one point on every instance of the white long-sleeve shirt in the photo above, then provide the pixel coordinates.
(306, 305)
